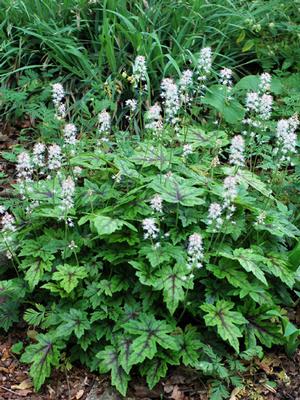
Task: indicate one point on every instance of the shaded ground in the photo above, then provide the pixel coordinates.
(274, 377)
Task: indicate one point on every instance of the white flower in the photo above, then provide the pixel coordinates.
(61, 111)
(261, 218)
(24, 166)
(2, 209)
(195, 250)
(156, 203)
(185, 86)
(171, 99)
(265, 82)
(54, 157)
(204, 63)
(39, 154)
(226, 76)
(187, 149)
(154, 118)
(262, 105)
(237, 151)
(287, 137)
(70, 131)
(131, 104)
(214, 215)
(139, 69)
(230, 189)
(67, 194)
(104, 120)
(8, 223)
(58, 93)
(150, 228)
(77, 170)
(72, 245)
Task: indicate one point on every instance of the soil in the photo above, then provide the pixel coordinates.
(272, 378)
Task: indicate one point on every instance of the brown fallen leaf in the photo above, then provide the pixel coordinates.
(234, 393)
(3, 369)
(177, 394)
(79, 394)
(26, 384)
(24, 393)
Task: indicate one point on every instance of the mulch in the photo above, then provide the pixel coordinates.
(275, 377)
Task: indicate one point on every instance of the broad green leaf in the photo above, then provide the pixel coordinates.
(43, 356)
(154, 370)
(36, 272)
(110, 362)
(73, 321)
(226, 321)
(173, 281)
(69, 276)
(177, 190)
(189, 345)
(149, 332)
(106, 225)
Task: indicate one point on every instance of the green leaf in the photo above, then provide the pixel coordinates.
(177, 190)
(189, 345)
(172, 282)
(106, 225)
(17, 348)
(154, 370)
(74, 321)
(231, 110)
(43, 356)
(250, 261)
(226, 321)
(36, 272)
(248, 45)
(69, 276)
(150, 332)
(110, 362)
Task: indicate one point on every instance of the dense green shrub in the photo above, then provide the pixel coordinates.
(171, 241)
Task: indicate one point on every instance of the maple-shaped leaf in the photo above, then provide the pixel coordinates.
(74, 321)
(263, 325)
(43, 356)
(250, 261)
(178, 190)
(36, 271)
(154, 370)
(126, 348)
(110, 362)
(149, 332)
(226, 321)
(69, 276)
(189, 344)
(278, 266)
(173, 281)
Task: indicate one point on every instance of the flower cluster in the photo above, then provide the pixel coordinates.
(38, 157)
(104, 120)
(24, 166)
(171, 99)
(265, 82)
(153, 118)
(54, 157)
(261, 105)
(286, 138)
(8, 223)
(70, 132)
(230, 189)
(131, 104)
(214, 215)
(195, 251)
(186, 86)
(237, 149)
(187, 150)
(139, 70)
(226, 77)
(156, 203)
(58, 95)
(67, 194)
(204, 63)
(150, 228)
